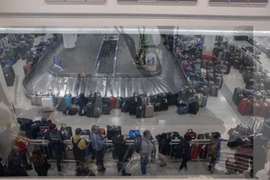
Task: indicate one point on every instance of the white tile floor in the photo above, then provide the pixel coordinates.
(217, 116)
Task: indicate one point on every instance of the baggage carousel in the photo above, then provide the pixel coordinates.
(104, 64)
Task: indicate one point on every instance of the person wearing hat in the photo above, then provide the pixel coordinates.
(98, 145)
(79, 146)
(185, 151)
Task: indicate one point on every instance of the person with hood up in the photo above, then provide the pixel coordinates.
(214, 151)
(185, 152)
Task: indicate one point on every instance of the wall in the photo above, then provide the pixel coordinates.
(33, 13)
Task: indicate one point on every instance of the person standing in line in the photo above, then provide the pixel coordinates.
(185, 152)
(14, 162)
(146, 150)
(124, 153)
(22, 142)
(79, 146)
(98, 145)
(40, 162)
(57, 147)
(214, 151)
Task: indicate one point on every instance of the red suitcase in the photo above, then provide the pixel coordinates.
(203, 151)
(113, 102)
(245, 106)
(195, 148)
(191, 133)
(27, 68)
(264, 108)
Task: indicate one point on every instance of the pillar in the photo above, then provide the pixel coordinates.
(209, 43)
(69, 41)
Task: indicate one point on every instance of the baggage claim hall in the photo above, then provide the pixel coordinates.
(96, 95)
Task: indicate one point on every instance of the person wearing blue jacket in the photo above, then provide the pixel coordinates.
(214, 151)
(98, 146)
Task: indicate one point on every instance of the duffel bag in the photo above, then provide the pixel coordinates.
(133, 134)
(70, 111)
(191, 133)
(182, 108)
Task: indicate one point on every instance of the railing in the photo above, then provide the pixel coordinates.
(239, 2)
(45, 147)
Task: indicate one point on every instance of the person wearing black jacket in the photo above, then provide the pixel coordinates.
(124, 153)
(185, 151)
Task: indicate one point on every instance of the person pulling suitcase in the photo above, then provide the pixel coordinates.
(214, 151)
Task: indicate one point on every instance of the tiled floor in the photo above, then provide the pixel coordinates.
(219, 115)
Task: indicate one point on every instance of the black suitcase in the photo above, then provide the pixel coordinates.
(219, 81)
(89, 109)
(172, 98)
(140, 112)
(133, 104)
(86, 132)
(214, 91)
(9, 78)
(193, 108)
(164, 104)
(82, 111)
(157, 107)
(113, 131)
(106, 109)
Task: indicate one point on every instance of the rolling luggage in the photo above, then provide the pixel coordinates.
(70, 111)
(230, 165)
(204, 101)
(125, 107)
(90, 110)
(133, 103)
(140, 112)
(106, 109)
(203, 73)
(65, 131)
(195, 84)
(264, 109)
(82, 111)
(97, 105)
(214, 91)
(228, 65)
(149, 111)
(86, 132)
(237, 96)
(193, 108)
(27, 68)
(36, 100)
(236, 64)
(82, 101)
(47, 104)
(68, 100)
(242, 157)
(113, 102)
(200, 98)
(182, 108)
(113, 131)
(219, 81)
(45, 125)
(119, 102)
(195, 148)
(245, 106)
(164, 104)
(157, 107)
(9, 77)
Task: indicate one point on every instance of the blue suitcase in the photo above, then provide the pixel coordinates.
(68, 100)
(133, 134)
(182, 108)
(204, 101)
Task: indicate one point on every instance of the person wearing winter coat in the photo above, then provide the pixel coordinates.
(124, 153)
(15, 162)
(214, 151)
(21, 143)
(57, 147)
(185, 152)
(39, 160)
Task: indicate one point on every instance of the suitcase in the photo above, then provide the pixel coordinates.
(9, 78)
(140, 112)
(214, 91)
(228, 67)
(203, 73)
(90, 110)
(86, 132)
(157, 107)
(164, 104)
(193, 108)
(200, 98)
(98, 106)
(68, 100)
(266, 129)
(125, 107)
(70, 111)
(66, 132)
(195, 148)
(237, 96)
(113, 102)
(256, 108)
(113, 131)
(82, 101)
(106, 109)
(133, 104)
(82, 111)
(149, 111)
(203, 151)
(219, 82)
(196, 84)
(47, 104)
(182, 108)
(27, 68)
(245, 106)
(236, 64)
(204, 101)
(36, 100)
(264, 109)
(242, 157)
(230, 165)
(133, 134)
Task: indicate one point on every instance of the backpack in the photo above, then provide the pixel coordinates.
(180, 147)
(138, 144)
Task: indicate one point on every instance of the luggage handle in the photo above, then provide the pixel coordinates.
(190, 130)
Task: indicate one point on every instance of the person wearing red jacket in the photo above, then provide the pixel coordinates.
(22, 142)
